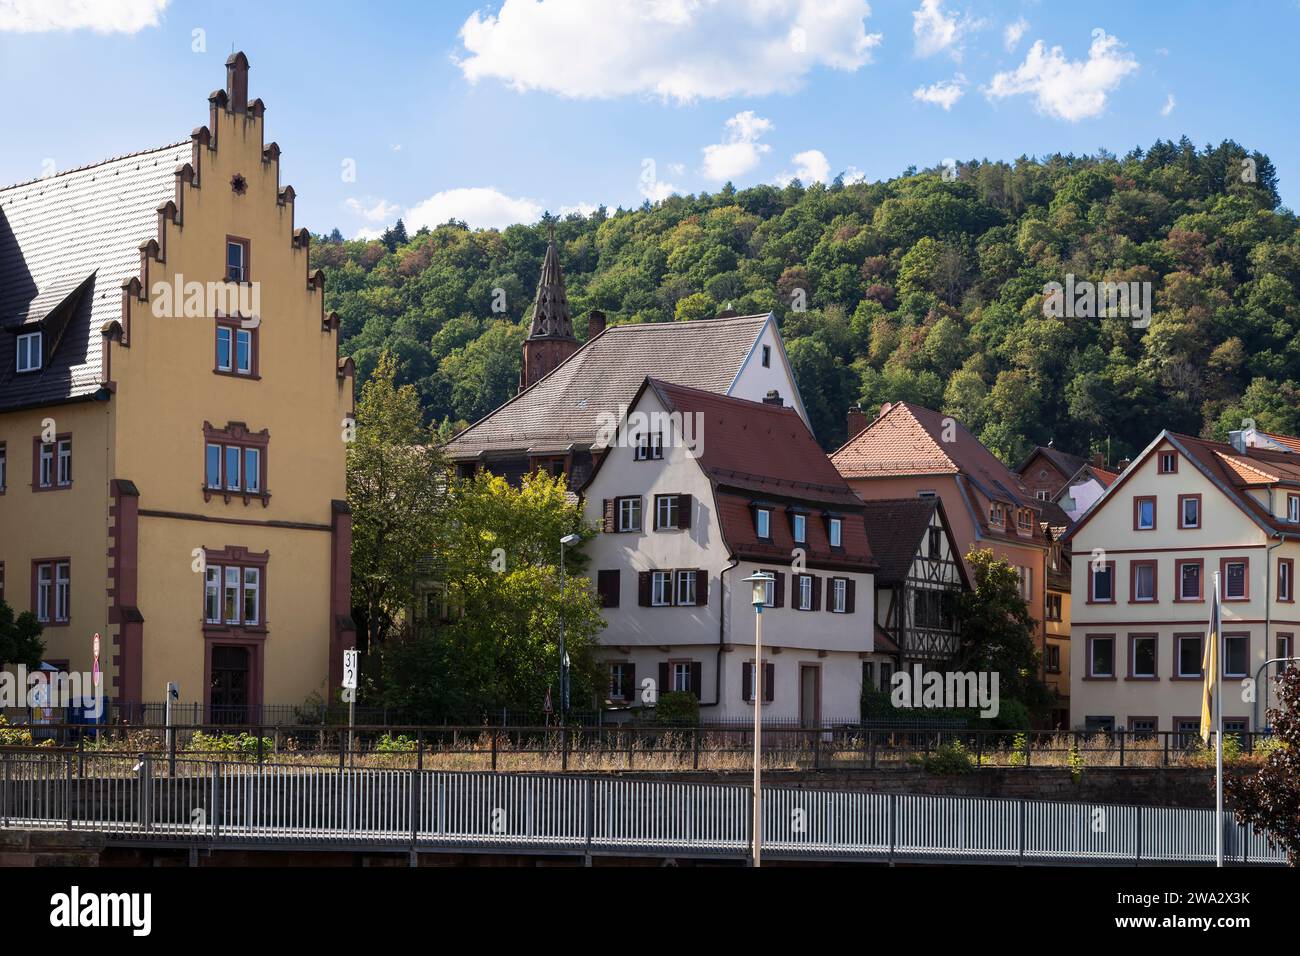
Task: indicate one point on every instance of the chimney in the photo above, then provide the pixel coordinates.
(1098, 460)
(595, 323)
(884, 409)
(1238, 440)
(773, 397)
(1123, 463)
(237, 82)
(857, 420)
(727, 312)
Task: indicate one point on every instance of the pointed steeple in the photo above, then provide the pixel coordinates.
(551, 318)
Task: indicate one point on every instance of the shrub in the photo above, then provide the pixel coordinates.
(401, 744)
(677, 707)
(243, 744)
(949, 760)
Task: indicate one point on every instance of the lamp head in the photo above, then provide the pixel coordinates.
(569, 540)
(759, 582)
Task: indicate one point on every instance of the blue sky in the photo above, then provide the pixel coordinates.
(493, 112)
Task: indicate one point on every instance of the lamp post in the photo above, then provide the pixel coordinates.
(568, 541)
(759, 582)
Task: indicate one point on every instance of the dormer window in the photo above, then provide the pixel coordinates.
(800, 528)
(29, 352)
(763, 523)
(236, 259)
(836, 532)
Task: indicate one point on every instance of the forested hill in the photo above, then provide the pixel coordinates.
(925, 288)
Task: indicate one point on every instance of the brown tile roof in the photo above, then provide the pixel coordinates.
(55, 234)
(896, 527)
(561, 409)
(753, 451)
(1064, 462)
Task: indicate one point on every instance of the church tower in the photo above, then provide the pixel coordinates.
(550, 340)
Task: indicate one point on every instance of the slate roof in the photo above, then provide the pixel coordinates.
(896, 528)
(756, 452)
(55, 233)
(562, 408)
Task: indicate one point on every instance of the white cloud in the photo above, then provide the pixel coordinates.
(367, 233)
(854, 175)
(373, 210)
(741, 150)
(945, 93)
(1068, 89)
(102, 16)
(676, 169)
(583, 209)
(934, 31)
(678, 50)
(1013, 33)
(480, 207)
(810, 166)
(1168, 108)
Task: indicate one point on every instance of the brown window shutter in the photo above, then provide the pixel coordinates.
(746, 681)
(701, 588)
(816, 593)
(780, 589)
(697, 679)
(629, 681)
(663, 678)
(769, 682)
(607, 585)
(850, 594)
(684, 507)
(643, 588)
(610, 517)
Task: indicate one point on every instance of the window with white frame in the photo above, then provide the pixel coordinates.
(618, 682)
(232, 595)
(1236, 653)
(1144, 581)
(1189, 581)
(805, 592)
(667, 511)
(661, 583)
(1144, 514)
(1234, 580)
(1101, 656)
(1189, 655)
(45, 469)
(29, 352)
(769, 589)
(629, 514)
(53, 591)
(839, 595)
(682, 676)
(650, 447)
(1189, 511)
(685, 589)
(62, 591)
(763, 523)
(1285, 568)
(1293, 508)
(800, 528)
(836, 532)
(1103, 582)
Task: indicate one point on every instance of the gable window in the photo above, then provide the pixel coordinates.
(1144, 514)
(237, 256)
(1286, 579)
(1189, 511)
(29, 352)
(1042, 495)
(835, 531)
(52, 590)
(763, 523)
(799, 527)
(1293, 508)
(1144, 581)
(685, 590)
(234, 462)
(1189, 654)
(1142, 656)
(667, 512)
(767, 356)
(1101, 588)
(1101, 656)
(650, 447)
(839, 595)
(234, 589)
(237, 350)
(935, 536)
(1189, 574)
(661, 583)
(1168, 462)
(1235, 584)
(629, 513)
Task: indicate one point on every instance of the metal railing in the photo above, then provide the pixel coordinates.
(211, 803)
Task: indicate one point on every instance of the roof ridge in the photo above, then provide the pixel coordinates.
(102, 162)
(673, 324)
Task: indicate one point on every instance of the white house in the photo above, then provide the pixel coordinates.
(700, 491)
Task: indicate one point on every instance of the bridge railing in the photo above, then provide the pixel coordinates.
(215, 802)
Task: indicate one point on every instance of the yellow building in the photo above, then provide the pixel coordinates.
(172, 422)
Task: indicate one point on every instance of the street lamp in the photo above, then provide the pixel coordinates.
(568, 541)
(759, 582)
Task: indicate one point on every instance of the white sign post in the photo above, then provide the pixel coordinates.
(350, 692)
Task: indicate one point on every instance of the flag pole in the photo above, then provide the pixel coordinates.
(1218, 726)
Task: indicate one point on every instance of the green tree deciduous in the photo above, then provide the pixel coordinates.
(20, 637)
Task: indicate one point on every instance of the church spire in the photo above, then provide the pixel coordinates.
(551, 318)
(550, 339)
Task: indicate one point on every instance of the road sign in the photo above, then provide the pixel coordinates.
(546, 705)
(350, 668)
(94, 671)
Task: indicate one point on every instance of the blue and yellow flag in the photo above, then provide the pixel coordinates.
(1210, 672)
